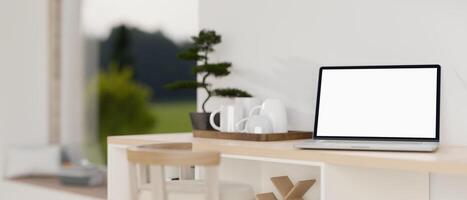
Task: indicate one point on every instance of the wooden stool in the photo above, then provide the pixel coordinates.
(146, 173)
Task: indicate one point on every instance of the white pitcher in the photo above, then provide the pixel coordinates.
(275, 110)
(229, 116)
(247, 103)
(255, 124)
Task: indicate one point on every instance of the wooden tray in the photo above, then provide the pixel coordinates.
(291, 135)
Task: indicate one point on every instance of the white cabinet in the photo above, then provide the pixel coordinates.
(340, 175)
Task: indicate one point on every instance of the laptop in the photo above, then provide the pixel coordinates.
(386, 108)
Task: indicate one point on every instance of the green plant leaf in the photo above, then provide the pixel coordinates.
(230, 92)
(206, 39)
(189, 84)
(203, 44)
(217, 69)
(191, 54)
(124, 105)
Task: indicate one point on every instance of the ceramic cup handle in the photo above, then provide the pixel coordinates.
(252, 110)
(237, 125)
(211, 119)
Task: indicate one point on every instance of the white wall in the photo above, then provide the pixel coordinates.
(24, 117)
(277, 46)
(23, 73)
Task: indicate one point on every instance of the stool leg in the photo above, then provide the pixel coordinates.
(133, 181)
(143, 174)
(158, 183)
(212, 181)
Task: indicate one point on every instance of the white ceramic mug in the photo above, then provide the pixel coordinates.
(255, 124)
(229, 116)
(275, 110)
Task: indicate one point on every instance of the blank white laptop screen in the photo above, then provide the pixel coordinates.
(399, 102)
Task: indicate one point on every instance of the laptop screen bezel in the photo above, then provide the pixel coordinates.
(438, 90)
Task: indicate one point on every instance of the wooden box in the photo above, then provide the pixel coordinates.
(265, 137)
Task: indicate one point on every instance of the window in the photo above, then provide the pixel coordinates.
(131, 51)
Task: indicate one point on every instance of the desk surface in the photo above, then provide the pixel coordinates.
(448, 159)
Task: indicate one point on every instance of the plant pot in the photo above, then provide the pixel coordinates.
(200, 121)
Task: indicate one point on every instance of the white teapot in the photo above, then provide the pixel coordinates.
(271, 109)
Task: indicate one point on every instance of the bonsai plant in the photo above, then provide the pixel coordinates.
(203, 45)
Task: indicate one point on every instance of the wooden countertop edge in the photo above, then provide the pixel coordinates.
(142, 139)
(328, 157)
(128, 141)
(347, 160)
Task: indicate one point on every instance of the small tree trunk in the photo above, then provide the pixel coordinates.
(207, 91)
(204, 103)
